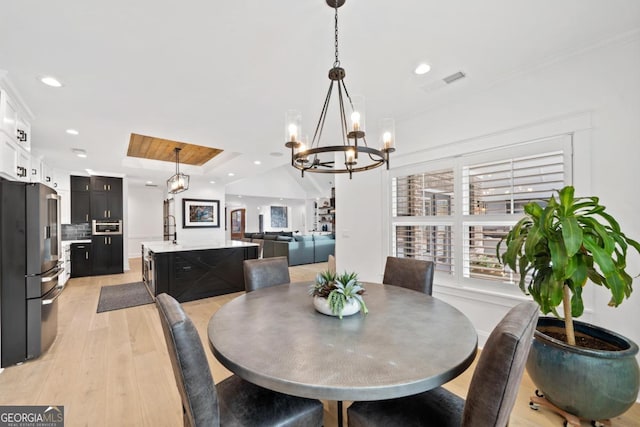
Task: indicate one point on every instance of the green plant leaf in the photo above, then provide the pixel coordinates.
(600, 256)
(612, 222)
(606, 242)
(513, 251)
(631, 242)
(571, 234)
(616, 283)
(579, 275)
(559, 258)
(363, 306)
(577, 306)
(546, 220)
(583, 205)
(523, 270)
(566, 199)
(533, 237)
(533, 209)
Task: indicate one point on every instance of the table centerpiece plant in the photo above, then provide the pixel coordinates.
(557, 248)
(340, 293)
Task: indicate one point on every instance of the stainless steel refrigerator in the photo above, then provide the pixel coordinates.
(30, 263)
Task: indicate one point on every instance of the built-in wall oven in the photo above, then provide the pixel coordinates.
(106, 227)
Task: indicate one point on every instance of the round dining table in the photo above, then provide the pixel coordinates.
(408, 343)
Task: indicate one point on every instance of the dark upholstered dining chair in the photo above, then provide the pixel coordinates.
(492, 391)
(232, 402)
(409, 273)
(262, 273)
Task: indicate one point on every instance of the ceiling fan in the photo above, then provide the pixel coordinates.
(317, 163)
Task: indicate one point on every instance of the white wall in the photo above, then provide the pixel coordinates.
(144, 217)
(277, 183)
(255, 206)
(204, 192)
(359, 224)
(604, 81)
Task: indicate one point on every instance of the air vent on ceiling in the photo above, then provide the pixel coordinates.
(453, 77)
(441, 83)
(151, 185)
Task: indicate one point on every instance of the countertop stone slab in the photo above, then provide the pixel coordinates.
(167, 246)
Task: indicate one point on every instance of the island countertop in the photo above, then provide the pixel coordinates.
(167, 246)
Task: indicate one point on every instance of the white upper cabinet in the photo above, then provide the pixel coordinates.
(15, 136)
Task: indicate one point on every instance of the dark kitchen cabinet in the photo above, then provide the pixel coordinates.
(106, 198)
(80, 199)
(191, 275)
(81, 262)
(107, 254)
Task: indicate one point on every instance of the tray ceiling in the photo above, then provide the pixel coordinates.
(150, 147)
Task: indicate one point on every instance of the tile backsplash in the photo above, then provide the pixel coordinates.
(76, 231)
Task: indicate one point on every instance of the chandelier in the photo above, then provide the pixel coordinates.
(179, 182)
(354, 154)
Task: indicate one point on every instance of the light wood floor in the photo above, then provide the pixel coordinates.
(112, 369)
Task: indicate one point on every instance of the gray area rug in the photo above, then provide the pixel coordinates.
(123, 296)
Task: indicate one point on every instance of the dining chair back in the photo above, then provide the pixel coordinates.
(409, 273)
(492, 390)
(233, 401)
(190, 365)
(262, 273)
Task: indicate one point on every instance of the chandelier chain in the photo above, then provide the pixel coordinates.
(337, 61)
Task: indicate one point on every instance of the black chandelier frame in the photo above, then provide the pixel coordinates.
(358, 156)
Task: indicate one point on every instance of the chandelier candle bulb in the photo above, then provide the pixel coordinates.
(351, 157)
(388, 131)
(386, 140)
(355, 119)
(293, 132)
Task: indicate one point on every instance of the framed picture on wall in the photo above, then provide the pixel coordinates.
(200, 213)
(279, 217)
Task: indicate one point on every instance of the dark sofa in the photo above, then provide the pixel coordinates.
(299, 249)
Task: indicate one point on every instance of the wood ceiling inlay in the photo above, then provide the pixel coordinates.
(149, 147)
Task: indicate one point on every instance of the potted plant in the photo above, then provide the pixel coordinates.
(557, 248)
(338, 294)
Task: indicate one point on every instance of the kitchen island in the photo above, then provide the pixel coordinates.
(190, 271)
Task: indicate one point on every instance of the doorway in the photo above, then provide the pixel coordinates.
(237, 224)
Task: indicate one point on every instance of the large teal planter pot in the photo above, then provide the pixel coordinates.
(592, 384)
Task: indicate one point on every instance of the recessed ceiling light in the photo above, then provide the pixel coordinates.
(149, 182)
(212, 182)
(51, 81)
(239, 197)
(72, 132)
(79, 152)
(257, 162)
(423, 68)
(231, 174)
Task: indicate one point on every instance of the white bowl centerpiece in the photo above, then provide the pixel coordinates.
(338, 294)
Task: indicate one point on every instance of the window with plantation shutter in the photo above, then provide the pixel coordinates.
(427, 197)
(455, 212)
